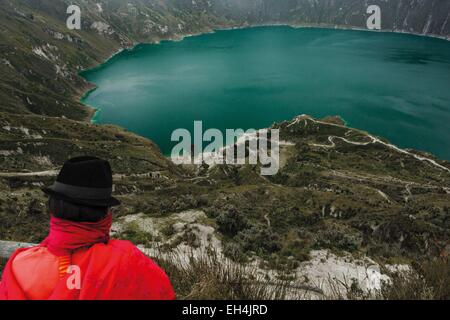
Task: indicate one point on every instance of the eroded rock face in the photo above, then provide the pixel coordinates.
(427, 17)
(102, 27)
(45, 51)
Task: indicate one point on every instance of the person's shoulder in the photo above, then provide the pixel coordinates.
(133, 254)
(127, 252)
(139, 268)
(32, 256)
(123, 245)
(31, 253)
(122, 248)
(115, 253)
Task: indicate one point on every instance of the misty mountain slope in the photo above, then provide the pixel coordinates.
(40, 57)
(423, 17)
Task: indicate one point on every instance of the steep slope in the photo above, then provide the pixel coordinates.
(415, 16)
(338, 188)
(40, 57)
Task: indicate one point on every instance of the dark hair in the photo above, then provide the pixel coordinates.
(74, 212)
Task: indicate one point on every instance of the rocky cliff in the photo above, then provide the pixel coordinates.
(415, 16)
(40, 57)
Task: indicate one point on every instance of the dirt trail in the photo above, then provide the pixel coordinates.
(374, 140)
(47, 173)
(54, 173)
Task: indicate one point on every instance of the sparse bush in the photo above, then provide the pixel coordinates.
(190, 238)
(134, 234)
(176, 204)
(406, 286)
(437, 274)
(234, 251)
(303, 177)
(202, 200)
(427, 280)
(35, 207)
(168, 230)
(259, 239)
(296, 249)
(212, 212)
(231, 221)
(337, 239)
(208, 276)
(412, 236)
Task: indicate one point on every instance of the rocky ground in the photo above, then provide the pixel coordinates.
(341, 195)
(340, 190)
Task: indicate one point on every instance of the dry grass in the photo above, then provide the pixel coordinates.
(428, 280)
(209, 276)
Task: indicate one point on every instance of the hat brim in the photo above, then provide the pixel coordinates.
(110, 202)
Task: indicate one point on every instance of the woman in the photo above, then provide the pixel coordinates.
(78, 261)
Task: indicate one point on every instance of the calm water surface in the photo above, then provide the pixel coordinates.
(392, 85)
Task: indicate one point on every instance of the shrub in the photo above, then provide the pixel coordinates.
(338, 239)
(133, 233)
(303, 177)
(427, 280)
(297, 249)
(234, 251)
(209, 276)
(437, 274)
(231, 221)
(259, 239)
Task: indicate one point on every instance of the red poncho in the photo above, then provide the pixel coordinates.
(109, 269)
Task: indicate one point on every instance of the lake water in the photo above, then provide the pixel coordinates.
(393, 85)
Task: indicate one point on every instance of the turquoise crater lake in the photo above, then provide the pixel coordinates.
(393, 85)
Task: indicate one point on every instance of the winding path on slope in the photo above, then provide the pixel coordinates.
(297, 120)
(374, 140)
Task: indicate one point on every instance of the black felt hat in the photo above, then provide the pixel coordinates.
(86, 181)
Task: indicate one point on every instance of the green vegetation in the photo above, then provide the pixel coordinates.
(205, 276)
(365, 199)
(34, 143)
(134, 234)
(322, 198)
(208, 277)
(429, 280)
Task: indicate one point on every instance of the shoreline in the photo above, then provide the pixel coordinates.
(176, 38)
(91, 111)
(91, 87)
(335, 27)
